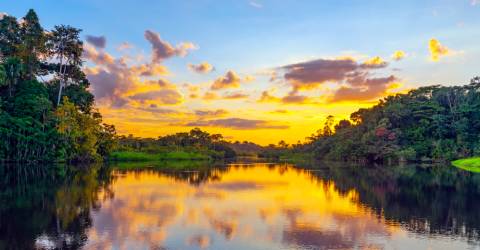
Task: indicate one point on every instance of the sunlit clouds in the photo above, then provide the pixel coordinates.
(162, 50)
(281, 206)
(398, 55)
(437, 50)
(202, 68)
(160, 80)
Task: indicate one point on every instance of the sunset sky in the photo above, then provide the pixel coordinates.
(260, 70)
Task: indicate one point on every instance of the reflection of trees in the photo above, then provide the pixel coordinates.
(47, 203)
(434, 200)
(196, 174)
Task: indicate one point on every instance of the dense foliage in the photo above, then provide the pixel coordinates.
(212, 145)
(46, 111)
(434, 123)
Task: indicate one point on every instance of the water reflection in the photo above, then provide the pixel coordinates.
(240, 206)
(49, 206)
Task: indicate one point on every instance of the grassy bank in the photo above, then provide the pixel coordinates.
(160, 156)
(162, 165)
(469, 164)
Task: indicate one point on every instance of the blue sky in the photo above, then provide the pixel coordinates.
(251, 38)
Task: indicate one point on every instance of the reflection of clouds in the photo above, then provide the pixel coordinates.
(138, 216)
(245, 185)
(226, 228)
(312, 238)
(256, 207)
(335, 232)
(201, 241)
(202, 193)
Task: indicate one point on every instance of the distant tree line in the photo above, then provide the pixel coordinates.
(194, 140)
(435, 123)
(46, 111)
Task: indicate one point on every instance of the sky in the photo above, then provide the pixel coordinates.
(260, 70)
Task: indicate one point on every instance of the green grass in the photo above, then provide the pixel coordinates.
(142, 156)
(469, 164)
(163, 165)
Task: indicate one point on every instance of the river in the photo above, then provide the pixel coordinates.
(239, 206)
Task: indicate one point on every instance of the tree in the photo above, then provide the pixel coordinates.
(33, 43)
(66, 47)
(13, 71)
(9, 36)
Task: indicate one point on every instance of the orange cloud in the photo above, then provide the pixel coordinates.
(116, 84)
(376, 62)
(234, 95)
(238, 123)
(362, 89)
(150, 69)
(311, 74)
(202, 68)
(398, 55)
(164, 96)
(437, 50)
(211, 113)
(230, 80)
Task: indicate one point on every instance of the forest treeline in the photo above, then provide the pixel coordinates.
(212, 146)
(46, 111)
(435, 123)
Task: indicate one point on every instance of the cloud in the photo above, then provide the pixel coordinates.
(162, 50)
(238, 123)
(211, 113)
(375, 62)
(124, 46)
(230, 80)
(164, 96)
(311, 74)
(97, 41)
(154, 109)
(474, 2)
(150, 69)
(192, 90)
(208, 96)
(267, 97)
(255, 4)
(291, 98)
(355, 80)
(97, 57)
(249, 78)
(437, 50)
(201, 68)
(234, 95)
(364, 89)
(294, 97)
(398, 55)
(280, 111)
(115, 83)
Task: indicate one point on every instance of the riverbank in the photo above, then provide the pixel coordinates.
(469, 164)
(160, 156)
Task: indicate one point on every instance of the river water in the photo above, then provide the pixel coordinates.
(239, 206)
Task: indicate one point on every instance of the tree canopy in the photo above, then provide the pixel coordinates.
(432, 123)
(46, 120)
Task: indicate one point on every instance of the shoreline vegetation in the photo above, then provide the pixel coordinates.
(468, 164)
(143, 156)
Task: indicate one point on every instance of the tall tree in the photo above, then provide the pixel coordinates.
(66, 47)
